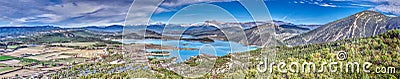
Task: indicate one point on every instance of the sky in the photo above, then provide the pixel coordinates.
(80, 13)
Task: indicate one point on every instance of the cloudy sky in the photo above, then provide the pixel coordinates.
(78, 13)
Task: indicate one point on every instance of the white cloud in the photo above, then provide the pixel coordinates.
(67, 12)
(141, 15)
(106, 12)
(45, 18)
(362, 5)
(82, 12)
(394, 9)
(392, 6)
(319, 3)
(327, 5)
(386, 6)
(175, 3)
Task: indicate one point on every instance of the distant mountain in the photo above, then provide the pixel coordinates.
(66, 36)
(11, 32)
(141, 34)
(112, 28)
(362, 24)
(244, 25)
(283, 30)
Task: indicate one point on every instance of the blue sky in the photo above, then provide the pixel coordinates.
(78, 13)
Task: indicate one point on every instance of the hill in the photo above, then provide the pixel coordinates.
(10, 32)
(380, 50)
(362, 24)
(68, 36)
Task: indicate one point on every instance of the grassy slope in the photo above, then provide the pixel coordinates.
(4, 57)
(381, 50)
(6, 69)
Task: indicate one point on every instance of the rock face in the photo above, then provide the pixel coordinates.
(261, 35)
(362, 24)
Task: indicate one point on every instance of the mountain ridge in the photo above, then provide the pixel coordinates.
(362, 24)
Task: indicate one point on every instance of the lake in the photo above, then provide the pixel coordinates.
(216, 48)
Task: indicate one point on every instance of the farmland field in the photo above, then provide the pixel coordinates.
(12, 47)
(11, 62)
(16, 58)
(76, 44)
(3, 58)
(2, 69)
(30, 50)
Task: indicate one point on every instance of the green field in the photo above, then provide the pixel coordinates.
(2, 69)
(3, 58)
(65, 60)
(12, 47)
(2, 64)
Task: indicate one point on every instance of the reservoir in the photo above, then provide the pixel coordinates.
(216, 48)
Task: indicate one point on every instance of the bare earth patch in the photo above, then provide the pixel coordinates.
(11, 62)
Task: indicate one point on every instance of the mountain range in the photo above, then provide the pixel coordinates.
(7, 32)
(362, 24)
